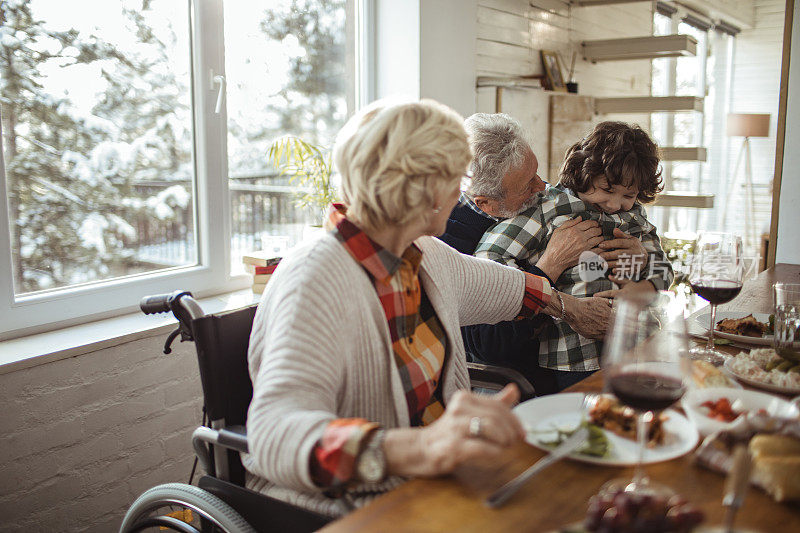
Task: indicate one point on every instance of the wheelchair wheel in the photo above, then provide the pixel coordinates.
(153, 507)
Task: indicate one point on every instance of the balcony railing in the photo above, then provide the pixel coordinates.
(262, 206)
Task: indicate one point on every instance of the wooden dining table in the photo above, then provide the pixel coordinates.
(557, 497)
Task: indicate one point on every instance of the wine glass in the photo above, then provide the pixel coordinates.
(646, 367)
(786, 340)
(716, 275)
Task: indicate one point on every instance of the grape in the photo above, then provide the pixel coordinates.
(630, 512)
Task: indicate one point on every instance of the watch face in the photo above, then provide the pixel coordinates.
(370, 467)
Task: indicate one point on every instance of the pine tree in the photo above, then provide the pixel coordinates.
(69, 178)
(313, 105)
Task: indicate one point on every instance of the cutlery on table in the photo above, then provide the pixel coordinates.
(570, 444)
(736, 485)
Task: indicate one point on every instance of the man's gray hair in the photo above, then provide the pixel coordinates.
(499, 144)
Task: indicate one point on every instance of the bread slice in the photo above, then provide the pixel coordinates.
(776, 465)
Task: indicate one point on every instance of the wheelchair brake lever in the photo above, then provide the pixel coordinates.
(167, 349)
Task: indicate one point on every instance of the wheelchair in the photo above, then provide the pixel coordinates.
(220, 501)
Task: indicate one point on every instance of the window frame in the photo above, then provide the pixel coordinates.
(56, 308)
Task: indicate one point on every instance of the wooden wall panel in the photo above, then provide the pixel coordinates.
(511, 34)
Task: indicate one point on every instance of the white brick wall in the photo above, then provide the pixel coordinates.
(83, 437)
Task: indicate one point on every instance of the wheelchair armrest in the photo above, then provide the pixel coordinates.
(499, 376)
(234, 438)
(231, 437)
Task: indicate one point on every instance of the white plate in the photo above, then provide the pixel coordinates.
(759, 384)
(705, 319)
(540, 417)
(742, 400)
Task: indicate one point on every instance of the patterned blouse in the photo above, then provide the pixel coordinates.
(419, 346)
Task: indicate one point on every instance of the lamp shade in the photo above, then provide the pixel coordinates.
(748, 125)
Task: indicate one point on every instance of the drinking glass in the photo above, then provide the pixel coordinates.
(716, 275)
(646, 367)
(787, 321)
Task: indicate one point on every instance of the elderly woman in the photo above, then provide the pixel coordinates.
(358, 367)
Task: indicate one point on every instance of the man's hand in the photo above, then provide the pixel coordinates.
(568, 241)
(627, 286)
(590, 317)
(623, 245)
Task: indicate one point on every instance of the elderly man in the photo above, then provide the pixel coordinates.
(504, 183)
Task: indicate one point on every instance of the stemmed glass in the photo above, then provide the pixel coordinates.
(646, 368)
(716, 275)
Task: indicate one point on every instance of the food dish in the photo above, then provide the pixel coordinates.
(749, 368)
(704, 320)
(747, 326)
(706, 375)
(608, 413)
(542, 416)
(741, 400)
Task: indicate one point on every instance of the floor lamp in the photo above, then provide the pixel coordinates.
(746, 125)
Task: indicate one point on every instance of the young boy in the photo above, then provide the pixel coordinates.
(605, 177)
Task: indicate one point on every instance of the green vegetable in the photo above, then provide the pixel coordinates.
(784, 366)
(795, 368)
(771, 325)
(596, 445)
(722, 342)
(772, 364)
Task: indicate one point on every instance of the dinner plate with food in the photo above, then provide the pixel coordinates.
(765, 369)
(721, 408)
(737, 326)
(548, 420)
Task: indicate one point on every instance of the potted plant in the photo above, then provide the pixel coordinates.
(309, 166)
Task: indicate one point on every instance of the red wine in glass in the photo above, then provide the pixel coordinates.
(646, 391)
(717, 291)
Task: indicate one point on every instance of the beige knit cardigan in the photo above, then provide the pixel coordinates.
(320, 350)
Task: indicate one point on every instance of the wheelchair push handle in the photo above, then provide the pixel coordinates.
(182, 306)
(158, 303)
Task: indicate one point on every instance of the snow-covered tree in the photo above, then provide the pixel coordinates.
(70, 174)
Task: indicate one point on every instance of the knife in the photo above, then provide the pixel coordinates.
(501, 495)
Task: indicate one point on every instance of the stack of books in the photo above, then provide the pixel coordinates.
(261, 266)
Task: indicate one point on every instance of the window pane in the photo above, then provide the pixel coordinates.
(689, 71)
(97, 134)
(287, 69)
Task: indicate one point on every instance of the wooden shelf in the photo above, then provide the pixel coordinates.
(684, 199)
(648, 104)
(639, 48)
(590, 3)
(683, 153)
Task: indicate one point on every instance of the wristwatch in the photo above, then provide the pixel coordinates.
(371, 462)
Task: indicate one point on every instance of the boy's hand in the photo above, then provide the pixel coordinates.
(627, 286)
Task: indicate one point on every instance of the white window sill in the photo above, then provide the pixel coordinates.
(25, 352)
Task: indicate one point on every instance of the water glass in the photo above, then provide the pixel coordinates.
(787, 320)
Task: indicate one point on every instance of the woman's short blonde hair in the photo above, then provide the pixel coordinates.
(395, 159)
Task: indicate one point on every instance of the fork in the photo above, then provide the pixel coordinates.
(501, 495)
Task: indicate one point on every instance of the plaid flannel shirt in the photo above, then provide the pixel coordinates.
(521, 241)
(419, 346)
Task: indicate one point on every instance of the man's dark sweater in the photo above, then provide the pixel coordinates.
(511, 344)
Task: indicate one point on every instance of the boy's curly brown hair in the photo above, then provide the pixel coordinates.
(621, 152)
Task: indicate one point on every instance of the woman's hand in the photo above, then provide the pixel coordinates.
(447, 443)
(627, 286)
(588, 316)
(623, 245)
(568, 241)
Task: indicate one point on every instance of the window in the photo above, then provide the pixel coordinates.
(120, 177)
(707, 75)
